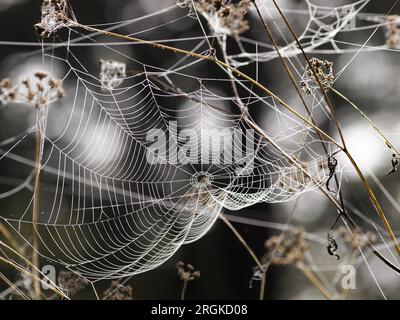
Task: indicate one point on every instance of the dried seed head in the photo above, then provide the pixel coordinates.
(34, 90)
(223, 16)
(60, 92)
(30, 96)
(71, 283)
(118, 291)
(12, 94)
(7, 92)
(5, 83)
(26, 83)
(54, 83)
(287, 250)
(187, 272)
(218, 4)
(323, 70)
(356, 238)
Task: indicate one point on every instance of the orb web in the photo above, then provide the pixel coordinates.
(110, 211)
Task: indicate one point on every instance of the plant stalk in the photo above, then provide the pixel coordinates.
(36, 208)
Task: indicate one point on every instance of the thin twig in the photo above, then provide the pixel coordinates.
(384, 138)
(185, 283)
(242, 241)
(13, 287)
(250, 251)
(341, 212)
(314, 280)
(7, 234)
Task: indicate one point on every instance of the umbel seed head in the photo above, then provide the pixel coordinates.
(54, 16)
(38, 90)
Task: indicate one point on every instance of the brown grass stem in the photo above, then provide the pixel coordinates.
(314, 280)
(36, 208)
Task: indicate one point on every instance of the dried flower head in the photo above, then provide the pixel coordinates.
(39, 90)
(118, 291)
(54, 17)
(112, 74)
(5, 83)
(223, 16)
(287, 250)
(323, 69)
(40, 75)
(392, 33)
(186, 272)
(8, 93)
(71, 283)
(356, 238)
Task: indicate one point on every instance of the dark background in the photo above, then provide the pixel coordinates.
(225, 266)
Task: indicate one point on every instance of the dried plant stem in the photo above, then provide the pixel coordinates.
(36, 208)
(183, 292)
(314, 280)
(216, 61)
(375, 202)
(286, 66)
(379, 132)
(242, 241)
(365, 183)
(263, 283)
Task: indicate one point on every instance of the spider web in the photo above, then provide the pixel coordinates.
(110, 212)
(321, 34)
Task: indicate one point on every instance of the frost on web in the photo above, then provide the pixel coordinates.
(393, 31)
(324, 24)
(129, 173)
(54, 17)
(112, 73)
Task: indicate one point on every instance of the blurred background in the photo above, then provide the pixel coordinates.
(371, 81)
